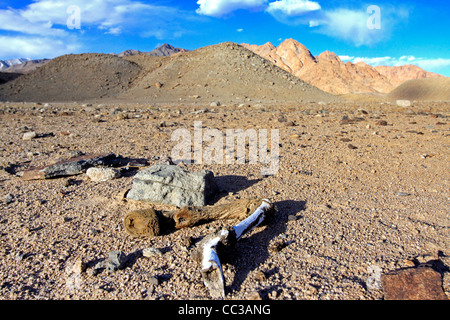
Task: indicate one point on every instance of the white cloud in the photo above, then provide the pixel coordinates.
(352, 25)
(240, 30)
(219, 8)
(13, 20)
(314, 23)
(349, 25)
(111, 16)
(292, 7)
(280, 9)
(433, 64)
(35, 47)
(428, 64)
(45, 22)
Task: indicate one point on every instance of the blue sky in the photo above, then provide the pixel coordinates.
(389, 33)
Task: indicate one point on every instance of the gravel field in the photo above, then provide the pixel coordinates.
(361, 187)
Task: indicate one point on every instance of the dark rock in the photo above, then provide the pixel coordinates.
(9, 198)
(70, 167)
(381, 123)
(116, 261)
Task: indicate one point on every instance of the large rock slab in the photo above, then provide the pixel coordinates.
(168, 184)
(421, 283)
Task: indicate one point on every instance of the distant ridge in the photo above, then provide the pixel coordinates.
(5, 64)
(429, 89)
(165, 50)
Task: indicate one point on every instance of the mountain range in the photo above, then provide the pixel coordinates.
(227, 73)
(325, 71)
(329, 73)
(162, 51)
(4, 64)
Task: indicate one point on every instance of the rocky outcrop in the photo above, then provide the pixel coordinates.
(329, 73)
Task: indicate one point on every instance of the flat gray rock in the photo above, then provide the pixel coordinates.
(168, 184)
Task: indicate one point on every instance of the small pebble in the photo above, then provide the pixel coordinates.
(29, 135)
(403, 194)
(153, 281)
(9, 198)
(151, 252)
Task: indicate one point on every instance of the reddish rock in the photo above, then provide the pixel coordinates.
(422, 283)
(329, 73)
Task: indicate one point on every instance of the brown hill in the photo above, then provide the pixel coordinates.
(401, 74)
(329, 73)
(8, 76)
(226, 72)
(73, 78)
(432, 89)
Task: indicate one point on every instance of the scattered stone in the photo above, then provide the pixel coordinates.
(158, 85)
(404, 103)
(373, 281)
(29, 135)
(121, 116)
(381, 123)
(215, 104)
(102, 174)
(290, 124)
(77, 267)
(188, 241)
(116, 261)
(151, 252)
(260, 276)
(350, 146)
(403, 194)
(20, 256)
(254, 296)
(74, 166)
(173, 185)
(421, 283)
(277, 246)
(9, 198)
(154, 281)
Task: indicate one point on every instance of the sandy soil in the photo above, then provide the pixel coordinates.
(352, 195)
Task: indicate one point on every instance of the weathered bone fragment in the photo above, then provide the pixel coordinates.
(211, 267)
(262, 213)
(150, 223)
(142, 223)
(240, 210)
(213, 247)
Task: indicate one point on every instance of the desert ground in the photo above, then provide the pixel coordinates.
(362, 188)
(360, 185)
